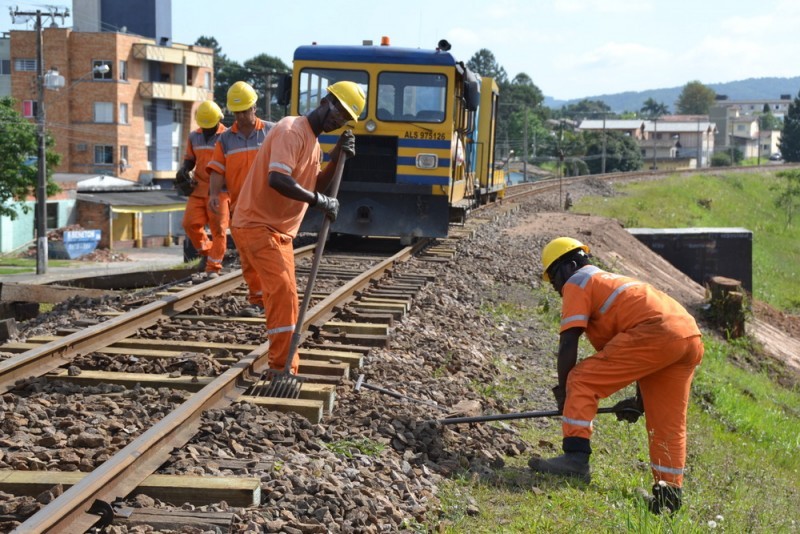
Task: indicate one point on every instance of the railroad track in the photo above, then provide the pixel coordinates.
(355, 301)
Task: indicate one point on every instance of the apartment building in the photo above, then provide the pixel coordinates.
(128, 99)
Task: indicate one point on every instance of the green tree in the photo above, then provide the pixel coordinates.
(585, 108)
(789, 197)
(226, 71)
(18, 177)
(768, 121)
(652, 109)
(520, 102)
(790, 133)
(695, 99)
(259, 69)
(622, 152)
(484, 63)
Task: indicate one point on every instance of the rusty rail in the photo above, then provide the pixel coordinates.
(126, 469)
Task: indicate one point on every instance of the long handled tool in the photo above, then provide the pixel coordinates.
(507, 416)
(282, 383)
(396, 394)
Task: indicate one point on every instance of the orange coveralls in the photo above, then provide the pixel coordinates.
(265, 222)
(640, 334)
(233, 156)
(197, 215)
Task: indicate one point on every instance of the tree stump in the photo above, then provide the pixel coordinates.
(727, 305)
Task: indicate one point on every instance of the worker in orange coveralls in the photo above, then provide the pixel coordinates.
(234, 154)
(199, 149)
(285, 180)
(641, 335)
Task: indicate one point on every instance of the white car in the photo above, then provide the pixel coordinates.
(776, 156)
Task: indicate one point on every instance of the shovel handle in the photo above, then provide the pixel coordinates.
(312, 275)
(507, 416)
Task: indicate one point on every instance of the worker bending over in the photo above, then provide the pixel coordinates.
(197, 214)
(234, 154)
(641, 335)
(283, 182)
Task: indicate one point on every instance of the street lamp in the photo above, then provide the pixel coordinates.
(54, 81)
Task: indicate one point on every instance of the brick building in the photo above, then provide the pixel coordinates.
(125, 110)
(128, 100)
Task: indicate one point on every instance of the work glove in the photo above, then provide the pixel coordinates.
(327, 205)
(184, 182)
(346, 144)
(560, 394)
(630, 409)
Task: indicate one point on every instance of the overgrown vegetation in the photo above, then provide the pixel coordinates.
(747, 200)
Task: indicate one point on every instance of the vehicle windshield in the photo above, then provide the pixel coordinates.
(411, 97)
(314, 82)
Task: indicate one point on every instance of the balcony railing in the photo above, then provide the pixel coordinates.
(176, 56)
(173, 91)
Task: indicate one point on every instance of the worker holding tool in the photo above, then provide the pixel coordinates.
(233, 156)
(641, 335)
(284, 181)
(197, 214)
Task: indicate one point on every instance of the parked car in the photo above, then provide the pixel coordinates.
(776, 156)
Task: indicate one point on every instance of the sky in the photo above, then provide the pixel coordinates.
(569, 48)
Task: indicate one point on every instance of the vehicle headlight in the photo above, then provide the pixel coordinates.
(371, 126)
(427, 161)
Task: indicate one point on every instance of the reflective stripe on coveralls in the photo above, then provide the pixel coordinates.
(272, 256)
(266, 222)
(233, 156)
(640, 334)
(197, 214)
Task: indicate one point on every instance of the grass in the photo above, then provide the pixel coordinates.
(743, 464)
(734, 200)
(27, 265)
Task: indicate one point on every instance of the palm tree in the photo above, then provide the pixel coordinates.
(651, 108)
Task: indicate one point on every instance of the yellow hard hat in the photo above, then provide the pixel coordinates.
(555, 249)
(351, 96)
(208, 114)
(241, 97)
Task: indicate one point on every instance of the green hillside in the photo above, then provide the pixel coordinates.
(736, 200)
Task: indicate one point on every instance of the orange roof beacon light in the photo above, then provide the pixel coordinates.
(385, 40)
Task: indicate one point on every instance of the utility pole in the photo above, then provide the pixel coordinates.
(603, 166)
(655, 142)
(525, 150)
(41, 181)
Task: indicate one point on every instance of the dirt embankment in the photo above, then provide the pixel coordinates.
(776, 332)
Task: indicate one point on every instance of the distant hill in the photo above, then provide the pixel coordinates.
(749, 89)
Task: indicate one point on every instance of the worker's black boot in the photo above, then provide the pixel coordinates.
(574, 462)
(664, 499)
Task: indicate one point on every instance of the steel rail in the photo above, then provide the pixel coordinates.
(129, 467)
(42, 360)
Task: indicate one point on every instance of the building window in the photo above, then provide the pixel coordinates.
(5, 66)
(104, 154)
(102, 75)
(123, 70)
(25, 65)
(207, 80)
(103, 112)
(123, 113)
(123, 158)
(30, 109)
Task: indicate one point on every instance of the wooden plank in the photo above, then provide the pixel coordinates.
(177, 489)
(310, 409)
(131, 280)
(316, 367)
(14, 292)
(367, 340)
(325, 393)
(353, 359)
(168, 344)
(368, 329)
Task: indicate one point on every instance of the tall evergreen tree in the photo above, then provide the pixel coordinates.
(790, 134)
